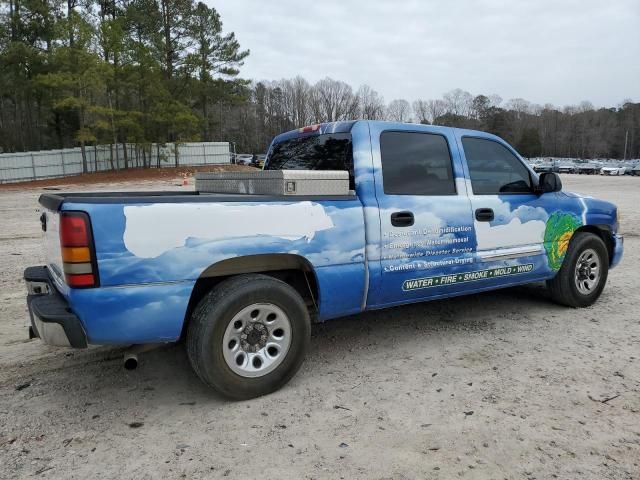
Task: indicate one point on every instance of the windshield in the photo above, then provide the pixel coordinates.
(317, 152)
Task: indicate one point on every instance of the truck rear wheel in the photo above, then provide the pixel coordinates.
(248, 336)
(583, 274)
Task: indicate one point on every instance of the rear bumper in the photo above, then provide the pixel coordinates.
(618, 247)
(51, 318)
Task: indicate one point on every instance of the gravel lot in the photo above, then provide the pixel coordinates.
(499, 385)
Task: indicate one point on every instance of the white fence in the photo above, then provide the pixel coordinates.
(25, 166)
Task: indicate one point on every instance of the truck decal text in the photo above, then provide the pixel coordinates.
(419, 283)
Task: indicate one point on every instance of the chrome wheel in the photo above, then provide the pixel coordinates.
(257, 340)
(587, 274)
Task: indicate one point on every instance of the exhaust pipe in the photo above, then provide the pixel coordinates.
(130, 361)
(131, 354)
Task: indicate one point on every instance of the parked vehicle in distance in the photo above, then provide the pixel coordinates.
(258, 160)
(243, 159)
(546, 165)
(613, 170)
(543, 167)
(427, 212)
(630, 166)
(588, 168)
(566, 168)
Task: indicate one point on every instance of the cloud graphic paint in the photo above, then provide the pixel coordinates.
(172, 225)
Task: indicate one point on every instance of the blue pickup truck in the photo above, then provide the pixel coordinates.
(431, 212)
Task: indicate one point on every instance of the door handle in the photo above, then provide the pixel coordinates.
(402, 219)
(484, 214)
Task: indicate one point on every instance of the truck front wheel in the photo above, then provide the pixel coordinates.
(248, 336)
(583, 274)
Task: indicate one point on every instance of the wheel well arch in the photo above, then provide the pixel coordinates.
(602, 231)
(292, 269)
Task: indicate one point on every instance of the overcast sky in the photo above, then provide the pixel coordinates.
(557, 51)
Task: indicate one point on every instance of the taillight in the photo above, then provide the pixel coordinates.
(77, 250)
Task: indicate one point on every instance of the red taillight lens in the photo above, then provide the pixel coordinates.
(87, 280)
(74, 230)
(77, 249)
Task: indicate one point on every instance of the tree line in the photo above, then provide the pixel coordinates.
(87, 72)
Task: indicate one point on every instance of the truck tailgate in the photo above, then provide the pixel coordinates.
(51, 225)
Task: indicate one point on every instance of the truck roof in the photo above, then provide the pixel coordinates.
(346, 126)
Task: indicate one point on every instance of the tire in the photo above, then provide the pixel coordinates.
(214, 326)
(565, 287)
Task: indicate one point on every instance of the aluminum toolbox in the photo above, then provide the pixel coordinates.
(275, 182)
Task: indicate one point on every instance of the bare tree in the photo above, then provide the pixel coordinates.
(421, 111)
(332, 100)
(519, 105)
(371, 104)
(435, 109)
(520, 110)
(495, 100)
(296, 100)
(458, 102)
(399, 110)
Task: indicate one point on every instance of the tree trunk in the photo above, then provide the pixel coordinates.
(70, 7)
(205, 114)
(126, 156)
(84, 156)
(168, 44)
(111, 156)
(13, 14)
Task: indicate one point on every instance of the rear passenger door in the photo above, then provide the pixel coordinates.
(426, 227)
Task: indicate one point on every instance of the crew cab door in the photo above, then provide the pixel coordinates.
(426, 226)
(509, 218)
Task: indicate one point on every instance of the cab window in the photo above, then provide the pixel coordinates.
(493, 169)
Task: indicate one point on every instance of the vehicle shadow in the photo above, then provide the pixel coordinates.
(164, 376)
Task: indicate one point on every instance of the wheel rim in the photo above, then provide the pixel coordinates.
(588, 272)
(257, 340)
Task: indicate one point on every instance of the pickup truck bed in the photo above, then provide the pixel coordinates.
(54, 201)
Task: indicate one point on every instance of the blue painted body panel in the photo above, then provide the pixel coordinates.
(148, 270)
(146, 313)
(617, 250)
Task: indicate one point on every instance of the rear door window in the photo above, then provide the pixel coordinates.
(416, 163)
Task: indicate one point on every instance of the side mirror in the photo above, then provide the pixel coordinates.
(549, 182)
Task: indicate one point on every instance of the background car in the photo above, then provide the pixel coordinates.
(613, 170)
(244, 159)
(258, 160)
(566, 168)
(542, 167)
(588, 168)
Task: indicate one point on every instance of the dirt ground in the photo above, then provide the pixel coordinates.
(112, 177)
(498, 385)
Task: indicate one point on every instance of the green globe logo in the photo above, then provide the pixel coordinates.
(557, 234)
